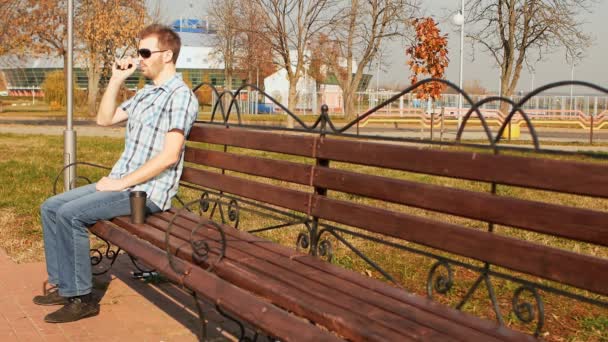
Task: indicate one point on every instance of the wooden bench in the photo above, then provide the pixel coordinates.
(343, 194)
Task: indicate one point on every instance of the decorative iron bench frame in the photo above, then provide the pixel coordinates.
(225, 210)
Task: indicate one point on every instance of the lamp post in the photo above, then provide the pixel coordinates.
(572, 86)
(574, 58)
(69, 135)
(257, 85)
(458, 20)
(378, 74)
(532, 86)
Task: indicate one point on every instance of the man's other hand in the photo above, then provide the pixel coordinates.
(109, 184)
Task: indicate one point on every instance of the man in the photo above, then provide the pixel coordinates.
(158, 118)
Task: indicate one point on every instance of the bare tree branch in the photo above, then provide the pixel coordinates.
(355, 39)
(288, 26)
(513, 31)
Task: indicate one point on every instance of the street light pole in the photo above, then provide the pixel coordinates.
(378, 75)
(532, 88)
(576, 56)
(69, 135)
(257, 85)
(459, 20)
(572, 86)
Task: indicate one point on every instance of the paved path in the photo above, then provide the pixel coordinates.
(91, 131)
(131, 310)
(119, 132)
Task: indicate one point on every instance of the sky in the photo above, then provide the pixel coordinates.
(478, 66)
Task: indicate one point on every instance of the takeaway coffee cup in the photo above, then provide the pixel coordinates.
(138, 206)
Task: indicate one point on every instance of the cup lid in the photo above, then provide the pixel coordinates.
(137, 194)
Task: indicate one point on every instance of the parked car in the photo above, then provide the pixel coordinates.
(3, 92)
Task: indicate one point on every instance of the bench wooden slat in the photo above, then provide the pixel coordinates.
(286, 198)
(259, 140)
(556, 175)
(419, 313)
(300, 284)
(265, 167)
(466, 319)
(344, 322)
(305, 282)
(574, 223)
(269, 318)
(538, 260)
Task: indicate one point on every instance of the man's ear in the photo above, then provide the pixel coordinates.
(168, 56)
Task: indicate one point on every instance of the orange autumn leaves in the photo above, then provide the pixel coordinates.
(428, 57)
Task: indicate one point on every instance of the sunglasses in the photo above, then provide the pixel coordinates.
(146, 53)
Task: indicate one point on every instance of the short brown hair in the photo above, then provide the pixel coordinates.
(167, 38)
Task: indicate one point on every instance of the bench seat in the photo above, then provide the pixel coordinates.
(355, 307)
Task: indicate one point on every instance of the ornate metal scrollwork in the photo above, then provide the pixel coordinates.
(326, 250)
(525, 311)
(201, 246)
(303, 241)
(440, 283)
(234, 213)
(204, 203)
(211, 203)
(97, 257)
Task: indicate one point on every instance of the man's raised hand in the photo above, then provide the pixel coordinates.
(124, 68)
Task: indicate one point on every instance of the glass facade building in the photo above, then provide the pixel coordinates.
(26, 79)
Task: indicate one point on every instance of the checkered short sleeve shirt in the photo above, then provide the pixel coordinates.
(152, 113)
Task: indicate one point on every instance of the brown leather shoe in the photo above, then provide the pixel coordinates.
(51, 298)
(75, 310)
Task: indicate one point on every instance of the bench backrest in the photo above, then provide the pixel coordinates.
(373, 170)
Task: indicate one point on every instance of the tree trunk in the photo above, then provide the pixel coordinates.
(504, 92)
(292, 101)
(227, 99)
(348, 102)
(94, 76)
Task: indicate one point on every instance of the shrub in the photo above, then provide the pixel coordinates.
(54, 105)
(54, 88)
(187, 79)
(55, 92)
(203, 94)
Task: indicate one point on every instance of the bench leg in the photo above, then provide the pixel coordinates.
(106, 252)
(97, 257)
(201, 316)
(242, 332)
(203, 335)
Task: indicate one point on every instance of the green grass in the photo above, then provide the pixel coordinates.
(596, 327)
(29, 164)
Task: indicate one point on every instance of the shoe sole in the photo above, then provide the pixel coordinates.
(50, 304)
(91, 314)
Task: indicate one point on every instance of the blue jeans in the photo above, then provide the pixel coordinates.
(65, 221)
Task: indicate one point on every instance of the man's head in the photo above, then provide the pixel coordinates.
(158, 50)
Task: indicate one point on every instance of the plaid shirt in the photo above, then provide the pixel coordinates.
(152, 112)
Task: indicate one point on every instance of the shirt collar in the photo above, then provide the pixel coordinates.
(169, 85)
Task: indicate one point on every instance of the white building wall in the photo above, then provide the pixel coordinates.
(277, 86)
(198, 57)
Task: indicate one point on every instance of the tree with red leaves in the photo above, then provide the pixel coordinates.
(428, 57)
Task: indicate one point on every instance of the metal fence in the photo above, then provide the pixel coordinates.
(308, 104)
